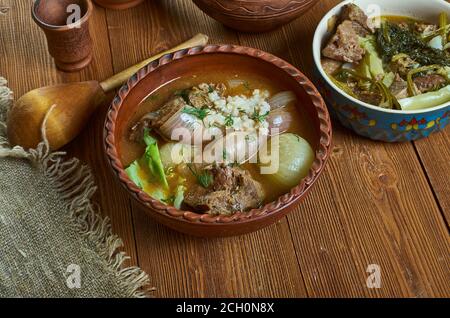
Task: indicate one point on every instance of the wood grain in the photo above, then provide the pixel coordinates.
(383, 211)
(89, 145)
(376, 203)
(27, 65)
(434, 157)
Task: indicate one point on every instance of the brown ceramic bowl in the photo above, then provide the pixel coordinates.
(254, 15)
(118, 4)
(216, 57)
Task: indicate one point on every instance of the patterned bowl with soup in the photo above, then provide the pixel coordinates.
(189, 67)
(368, 120)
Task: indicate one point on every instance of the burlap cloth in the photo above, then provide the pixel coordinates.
(53, 241)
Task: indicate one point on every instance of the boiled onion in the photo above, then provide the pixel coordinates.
(295, 157)
(185, 127)
(279, 121)
(281, 99)
(235, 147)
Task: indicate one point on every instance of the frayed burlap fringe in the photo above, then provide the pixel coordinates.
(6, 98)
(75, 184)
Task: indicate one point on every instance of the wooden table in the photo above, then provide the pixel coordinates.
(376, 203)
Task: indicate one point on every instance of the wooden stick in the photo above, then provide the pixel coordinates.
(120, 78)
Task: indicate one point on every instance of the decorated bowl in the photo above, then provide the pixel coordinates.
(371, 121)
(254, 15)
(187, 63)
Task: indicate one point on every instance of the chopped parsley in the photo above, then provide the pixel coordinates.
(204, 178)
(229, 121)
(200, 113)
(258, 117)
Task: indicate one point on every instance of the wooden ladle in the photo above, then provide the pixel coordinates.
(73, 104)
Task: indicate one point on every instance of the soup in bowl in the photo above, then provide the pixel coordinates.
(384, 66)
(218, 140)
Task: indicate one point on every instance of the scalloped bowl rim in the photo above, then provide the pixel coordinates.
(317, 48)
(322, 152)
(260, 16)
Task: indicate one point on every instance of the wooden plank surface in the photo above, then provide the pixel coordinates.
(376, 203)
(435, 160)
(381, 198)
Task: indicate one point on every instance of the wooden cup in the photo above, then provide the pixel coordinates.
(66, 26)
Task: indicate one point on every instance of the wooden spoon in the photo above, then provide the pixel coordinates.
(74, 104)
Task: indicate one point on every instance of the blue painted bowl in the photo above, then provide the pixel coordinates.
(371, 121)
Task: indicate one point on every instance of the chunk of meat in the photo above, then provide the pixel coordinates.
(359, 29)
(403, 25)
(364, 93)
(232, 190)
(428, 83)
(424, 28)
(344, 45)
(223, 178)
(198, 95)
(403, 64)
(370, 97)
(158, 118)
(399, 87)
(137, 130)
(169, 109)
(330, 66)
(354, 13)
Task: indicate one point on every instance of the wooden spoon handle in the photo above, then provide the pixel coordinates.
(120, 78)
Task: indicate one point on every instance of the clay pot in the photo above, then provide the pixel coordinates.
(254, 15)
(118, 4)
(187, 63)
(68, 38)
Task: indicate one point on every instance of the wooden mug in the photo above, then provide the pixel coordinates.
(66, 26)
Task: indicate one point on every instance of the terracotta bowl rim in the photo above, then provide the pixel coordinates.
(282, 11)
(322, 152)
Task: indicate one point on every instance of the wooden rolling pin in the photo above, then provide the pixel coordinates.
(74, 104)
